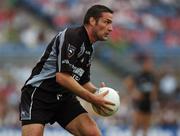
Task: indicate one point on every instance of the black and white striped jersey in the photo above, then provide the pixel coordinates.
(69, 51)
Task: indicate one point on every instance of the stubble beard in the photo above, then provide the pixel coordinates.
(98, 38)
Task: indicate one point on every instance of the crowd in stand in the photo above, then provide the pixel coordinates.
(138, 24)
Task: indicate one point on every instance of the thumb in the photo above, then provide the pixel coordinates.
(103, 84)
(105, 93)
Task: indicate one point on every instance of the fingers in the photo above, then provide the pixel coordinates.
(101, 108)
(104, 108)
(105, 101)
(109, 103)
(102, 84)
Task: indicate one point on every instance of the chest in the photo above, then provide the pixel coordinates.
(84, 56)
(145, 83)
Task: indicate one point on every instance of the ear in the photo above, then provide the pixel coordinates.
(92, 21)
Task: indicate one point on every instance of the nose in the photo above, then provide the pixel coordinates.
(110, 28)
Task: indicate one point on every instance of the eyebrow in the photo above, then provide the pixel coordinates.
(109, 20)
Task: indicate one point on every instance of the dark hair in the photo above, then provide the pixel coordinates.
(95, 12)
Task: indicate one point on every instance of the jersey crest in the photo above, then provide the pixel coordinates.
(71, 50)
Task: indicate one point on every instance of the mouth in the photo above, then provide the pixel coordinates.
(106, 35)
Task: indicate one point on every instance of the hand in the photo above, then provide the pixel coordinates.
(101, 103)
(102, 84)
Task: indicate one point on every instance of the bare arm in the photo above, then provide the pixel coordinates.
(129, 84)
(90, 87)
(154, 94)
(67, 81)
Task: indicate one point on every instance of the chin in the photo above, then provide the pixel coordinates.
(105, 38)
(102, 39)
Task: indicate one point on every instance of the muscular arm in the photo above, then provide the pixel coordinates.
(90, 87)
(67, 81)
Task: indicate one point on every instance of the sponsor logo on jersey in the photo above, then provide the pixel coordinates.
(88, 52)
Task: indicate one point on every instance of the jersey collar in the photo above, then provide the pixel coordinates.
(85, 36)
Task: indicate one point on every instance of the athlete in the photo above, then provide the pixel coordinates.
(143, 91)
(62, 73)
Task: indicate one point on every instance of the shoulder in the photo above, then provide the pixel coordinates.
(73, 35)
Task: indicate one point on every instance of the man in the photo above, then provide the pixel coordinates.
(63, 72)
(143, 90)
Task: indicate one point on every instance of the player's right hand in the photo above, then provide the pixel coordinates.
(102, 103)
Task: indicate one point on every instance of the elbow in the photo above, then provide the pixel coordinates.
(61, 78)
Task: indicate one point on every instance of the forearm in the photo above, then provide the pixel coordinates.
(67, 81)
(90, 87)
(154, 95)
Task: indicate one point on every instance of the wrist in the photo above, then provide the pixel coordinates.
(90, 97)
(95, 90)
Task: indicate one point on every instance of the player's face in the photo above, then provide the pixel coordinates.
(103, 27)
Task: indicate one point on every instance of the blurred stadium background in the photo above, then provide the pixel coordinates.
(140, 27)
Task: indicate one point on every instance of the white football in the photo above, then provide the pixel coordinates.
(113, 97)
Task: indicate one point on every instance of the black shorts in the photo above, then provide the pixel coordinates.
(39, 106)
(142, 105)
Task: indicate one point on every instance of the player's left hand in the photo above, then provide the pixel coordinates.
(102, 84)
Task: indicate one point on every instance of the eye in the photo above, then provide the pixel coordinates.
(108, 21)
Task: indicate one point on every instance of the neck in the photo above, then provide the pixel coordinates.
(90, 34)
